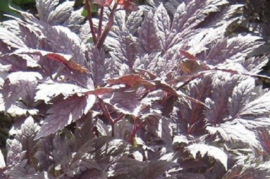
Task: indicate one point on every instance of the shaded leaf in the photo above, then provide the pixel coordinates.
(64, 112)
(20, 85)
(232, 132)
(240, 96)
(127, 167)
(211, 151)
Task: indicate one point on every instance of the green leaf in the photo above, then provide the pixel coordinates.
(22, 2)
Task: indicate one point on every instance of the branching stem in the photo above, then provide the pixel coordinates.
(106, 113)
(107, 28)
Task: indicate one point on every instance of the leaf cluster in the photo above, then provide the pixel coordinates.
(166, 89)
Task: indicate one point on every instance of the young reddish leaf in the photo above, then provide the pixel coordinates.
(130, 80)
(67, 62)
(62, 58)
(102, 2)
(189, 66)
(188, 55)
(127, 5)
(100, 91)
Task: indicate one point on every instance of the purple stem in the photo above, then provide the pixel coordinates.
(89, 16)
(105, 112)
(108, 116)
(100, 21)
(107, 28)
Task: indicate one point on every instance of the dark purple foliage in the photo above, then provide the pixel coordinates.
(159, 92)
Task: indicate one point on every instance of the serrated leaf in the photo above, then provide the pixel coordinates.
(148, 41)
(134, 20)
(30, 35)
(20, 85)
(127, 102)
(125, 51)
(61, 150)
(16, 61)
(49, 90)
(191, 112)
(231, 132)
(45, 8)
(62, 58)
(62, 113)
(163, 25)
(61, 13)
(99, 65)
(218, 102)
(132, 81)
(210, 151)
(17, 109)
(189, 15)
(26, 136)
(10, 39)
(127, 167)
(122, 129)
(252, 123)
(75, 20)
(4, 69)
(15, 153)
(106, 150)
(240, 96)
(258, 107)
(265, 140)
(242, 172)
(69, 42)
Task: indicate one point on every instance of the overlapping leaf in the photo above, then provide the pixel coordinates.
(163, 73)
(47, 91)
(20, 85)
(211, 151)
(147, 35)
(62, 113)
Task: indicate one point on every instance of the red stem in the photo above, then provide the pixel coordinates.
(136, 127)
(121, 116)
(108, 116)
(89, 16)
(105, 112)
